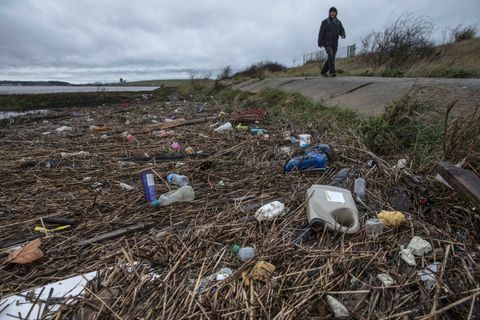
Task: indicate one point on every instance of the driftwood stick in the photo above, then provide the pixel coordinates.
(117, 233)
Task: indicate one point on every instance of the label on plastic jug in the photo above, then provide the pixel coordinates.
(333, 196)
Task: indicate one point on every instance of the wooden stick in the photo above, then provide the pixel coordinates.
(104, 303)
(450, 306)
(174, 123)
(117, 233)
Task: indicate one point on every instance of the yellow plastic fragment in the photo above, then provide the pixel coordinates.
(391, 218)
(42, 229)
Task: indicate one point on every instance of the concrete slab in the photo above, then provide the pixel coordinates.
(321, 90)
(372, 99)
(367, 95)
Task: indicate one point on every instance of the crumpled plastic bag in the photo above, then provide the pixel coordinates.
(391, 218)
(270, 211)
(428, 275)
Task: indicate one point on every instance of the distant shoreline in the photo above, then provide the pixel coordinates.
(60, 83)
(39, 89)
(142, 83)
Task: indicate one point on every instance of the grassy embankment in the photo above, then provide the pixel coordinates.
(409, 128)
(453, 60)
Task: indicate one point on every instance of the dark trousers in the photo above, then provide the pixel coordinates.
(329, 64)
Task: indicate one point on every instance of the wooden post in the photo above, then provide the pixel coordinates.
(464, 182)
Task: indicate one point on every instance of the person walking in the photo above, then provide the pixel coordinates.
(330, 30)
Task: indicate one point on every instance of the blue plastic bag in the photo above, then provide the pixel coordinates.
(316, 158)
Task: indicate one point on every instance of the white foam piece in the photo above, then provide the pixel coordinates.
(67, 289)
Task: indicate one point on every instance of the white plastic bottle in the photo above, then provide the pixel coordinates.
(184, 194)
(177, 179)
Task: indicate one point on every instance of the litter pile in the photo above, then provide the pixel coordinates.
(179, 209)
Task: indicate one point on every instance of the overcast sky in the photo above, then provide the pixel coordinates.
(102, 40)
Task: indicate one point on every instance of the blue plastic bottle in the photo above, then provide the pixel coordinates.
(177, 179)
(317, 158)
(148, 183)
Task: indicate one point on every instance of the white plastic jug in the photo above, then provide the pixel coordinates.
(333, 207)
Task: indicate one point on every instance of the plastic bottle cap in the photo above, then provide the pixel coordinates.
(155, 203)
(235, 248)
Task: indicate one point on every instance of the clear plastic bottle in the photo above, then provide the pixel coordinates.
(177, 179)
(374, 227)
(257, 131)
(184, 194)
(339, 179)
(126, 186)
(244, 253)
(359, 188)
(224, 127)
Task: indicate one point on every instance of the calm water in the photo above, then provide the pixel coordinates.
(14, 114)
(61, 89)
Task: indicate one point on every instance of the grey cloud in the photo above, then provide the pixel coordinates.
(98, 40)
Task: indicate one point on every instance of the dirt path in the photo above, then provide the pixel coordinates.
(370, 95)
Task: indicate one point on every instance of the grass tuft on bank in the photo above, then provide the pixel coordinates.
(410, 128)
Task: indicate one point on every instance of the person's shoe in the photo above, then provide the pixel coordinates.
(324, 74)
(333, 75)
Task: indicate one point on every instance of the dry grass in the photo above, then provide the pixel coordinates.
(450, 59)
(458, 59)
(192, 240)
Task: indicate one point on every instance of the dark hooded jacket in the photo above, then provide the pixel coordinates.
(330, 31)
